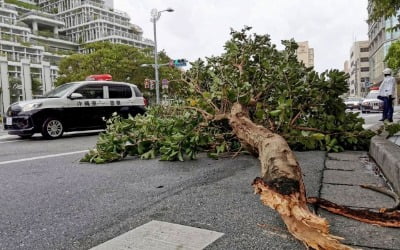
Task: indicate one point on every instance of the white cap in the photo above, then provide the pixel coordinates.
(387, 71)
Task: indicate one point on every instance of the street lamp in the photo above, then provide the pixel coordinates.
(155, 15)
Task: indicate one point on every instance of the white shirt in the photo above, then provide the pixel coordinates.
(387, 86)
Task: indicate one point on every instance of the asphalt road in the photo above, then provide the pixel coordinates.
(48, 200)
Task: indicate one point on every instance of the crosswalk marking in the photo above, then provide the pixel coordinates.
(162, 236)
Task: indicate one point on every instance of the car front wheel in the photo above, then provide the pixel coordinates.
(52, 128)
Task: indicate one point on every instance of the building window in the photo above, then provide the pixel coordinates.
(364, 69)
(364, 59)
(364, 49)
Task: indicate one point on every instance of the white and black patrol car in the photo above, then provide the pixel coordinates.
(72, 107)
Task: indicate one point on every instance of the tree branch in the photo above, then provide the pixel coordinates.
(198, 91)
(295, 118)
(308, 129)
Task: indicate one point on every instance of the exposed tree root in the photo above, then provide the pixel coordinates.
(387, 192)
(307, 227)
(386, 219)
(281, 186)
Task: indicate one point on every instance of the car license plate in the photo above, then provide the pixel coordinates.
(9, 121)
(375, 107)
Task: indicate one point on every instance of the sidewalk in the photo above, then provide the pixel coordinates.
(343, 174)
(3, 134)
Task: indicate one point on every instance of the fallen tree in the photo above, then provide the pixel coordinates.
(255, 98)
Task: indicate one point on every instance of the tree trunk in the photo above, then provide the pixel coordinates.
(281, 186)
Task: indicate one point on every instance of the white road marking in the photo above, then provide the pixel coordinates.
(7, 136)
(43, 157)
(162, 235)
(1, 142)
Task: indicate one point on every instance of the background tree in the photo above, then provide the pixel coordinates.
(36, 86)
(257, 98)
(123, 62)
(15, 89)
(393, 56)
(384, 9)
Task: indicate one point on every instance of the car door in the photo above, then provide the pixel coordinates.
(88, 112)
(119, 96)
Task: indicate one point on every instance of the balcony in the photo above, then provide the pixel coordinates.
(101, 5)
(41, 18)
(50, 34)
(41, 14)
(130, 36)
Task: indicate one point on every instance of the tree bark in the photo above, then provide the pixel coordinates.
(382, 218)
(281, 186)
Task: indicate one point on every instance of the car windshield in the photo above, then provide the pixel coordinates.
(60, 91)
(372, 95)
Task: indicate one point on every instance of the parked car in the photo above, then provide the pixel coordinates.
(353, 102)
(371, 103)
(73, 106)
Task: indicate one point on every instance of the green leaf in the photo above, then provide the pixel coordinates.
(275, 113)
(318, 136)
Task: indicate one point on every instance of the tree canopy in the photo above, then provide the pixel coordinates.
(393, 56)
(123, 62)
(281, 94)
(384, 9)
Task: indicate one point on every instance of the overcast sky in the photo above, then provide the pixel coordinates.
(199, 28)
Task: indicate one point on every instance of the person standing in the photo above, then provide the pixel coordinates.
(386, 94)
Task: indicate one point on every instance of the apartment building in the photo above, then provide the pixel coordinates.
(359, 69)
(380, 39)
(36, 34)
(305, 54)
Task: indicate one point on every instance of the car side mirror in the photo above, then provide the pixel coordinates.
(74, 96)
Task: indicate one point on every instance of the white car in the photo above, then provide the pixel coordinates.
(73, 106)
(371, 103)
(353, 102)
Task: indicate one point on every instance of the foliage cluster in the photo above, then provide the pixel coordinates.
(393, 56)
(384, 9)
(23, 4)
(280, 93)
(170, 132)
(390, 128)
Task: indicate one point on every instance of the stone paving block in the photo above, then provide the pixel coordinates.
(358, 177)
(347, 155)
(355, 196)
(363, 235)
(312, 166)
(342, 165)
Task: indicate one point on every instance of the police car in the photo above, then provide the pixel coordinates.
(74, 106)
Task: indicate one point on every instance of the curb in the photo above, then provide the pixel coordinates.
(386, 155)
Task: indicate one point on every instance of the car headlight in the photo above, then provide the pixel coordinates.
(31, 106)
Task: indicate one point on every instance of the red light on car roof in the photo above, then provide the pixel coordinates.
(374, 88)
(103, 77)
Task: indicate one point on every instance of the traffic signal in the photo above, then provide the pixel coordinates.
(178, 63)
